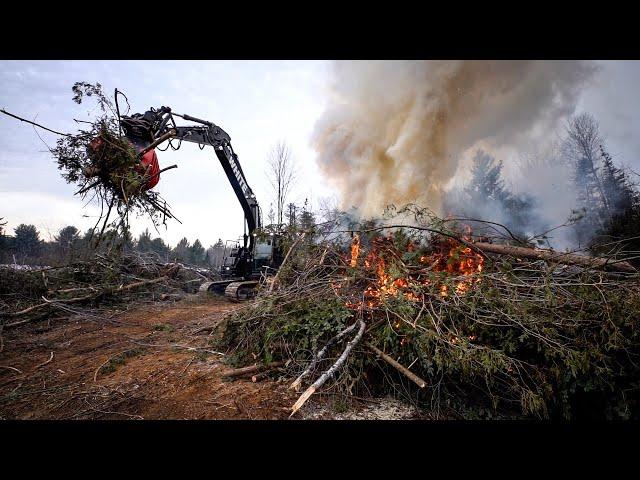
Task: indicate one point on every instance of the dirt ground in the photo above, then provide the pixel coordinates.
(152, 361)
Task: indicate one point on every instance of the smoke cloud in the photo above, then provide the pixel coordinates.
(404, 131)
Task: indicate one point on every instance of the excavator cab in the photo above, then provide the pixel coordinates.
(266, 256)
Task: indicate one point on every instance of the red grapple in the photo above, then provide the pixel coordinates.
(150, 160)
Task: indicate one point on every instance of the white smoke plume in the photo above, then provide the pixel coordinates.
(403, 131)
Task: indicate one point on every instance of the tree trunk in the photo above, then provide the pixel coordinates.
(559, 257)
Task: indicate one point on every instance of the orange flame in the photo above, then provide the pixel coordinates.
(355, 250)
(450, 256)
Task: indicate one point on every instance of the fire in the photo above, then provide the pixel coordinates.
(355, 250)
(459, 262)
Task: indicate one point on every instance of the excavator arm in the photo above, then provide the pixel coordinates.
(145, 129)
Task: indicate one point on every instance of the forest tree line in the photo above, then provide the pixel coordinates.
(26, 247)
(605, 215)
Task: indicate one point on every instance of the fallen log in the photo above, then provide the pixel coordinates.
(239, 372)
(402, 369)
(259, 376)
(559, 257)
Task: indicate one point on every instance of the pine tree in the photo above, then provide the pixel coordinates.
(622, 229)
(307, 218)
(291, 215)
(217, 253)
(196, 253)
(26, 242)
(486, 179)
(4, 241)
(489, 199)
(160, 248)
(581, 148)
(182, 252)
(617, 188)
(68, 239)
(144, 242)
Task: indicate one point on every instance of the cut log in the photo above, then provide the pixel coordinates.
(402, 369)
(559, 257)
(158, 141)
(239, 372)
(259, 376)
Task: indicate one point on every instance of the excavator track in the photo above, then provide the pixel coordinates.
(241, 291)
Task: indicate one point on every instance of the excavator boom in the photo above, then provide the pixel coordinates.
(155, 124)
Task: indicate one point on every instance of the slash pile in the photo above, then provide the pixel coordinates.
(421, 311)
(105, 280)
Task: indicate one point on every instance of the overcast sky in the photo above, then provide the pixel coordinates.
(256, 102)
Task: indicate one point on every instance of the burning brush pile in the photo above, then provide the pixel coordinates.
(466, 329)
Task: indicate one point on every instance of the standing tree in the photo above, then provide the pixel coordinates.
(617, 188)
(196, 253)
(291, 215)
(68, 241)
(3, 239)
(622, 231)
(161, 249)
(486, 179)
(581, 148)
(85, 242)
(281, 174)
(144, 244)
(216, 253)
(307, 218)
(27, 241)
(488, 198)
(182, 251)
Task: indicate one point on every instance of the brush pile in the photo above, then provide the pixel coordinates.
(422, 311)
(106, 280)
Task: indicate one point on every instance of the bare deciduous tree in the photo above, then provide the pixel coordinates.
(329, 209)
(582, 149)
(281, 174)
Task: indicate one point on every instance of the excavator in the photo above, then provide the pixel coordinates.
(245, 263)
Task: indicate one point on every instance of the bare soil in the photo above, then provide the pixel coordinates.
(154, 361)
